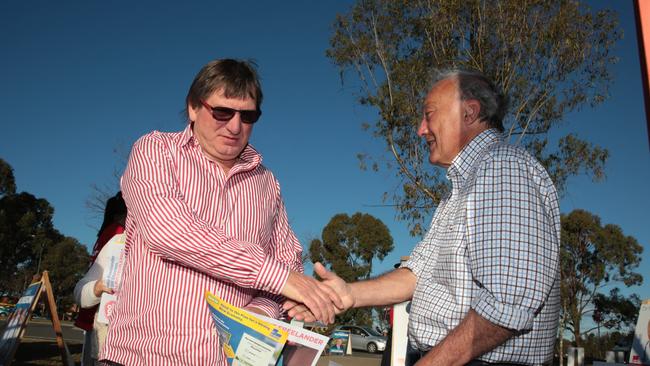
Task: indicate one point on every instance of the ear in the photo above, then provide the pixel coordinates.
(192, 112)
(471, 111)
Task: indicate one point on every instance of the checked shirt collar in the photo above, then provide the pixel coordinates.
(461, 166)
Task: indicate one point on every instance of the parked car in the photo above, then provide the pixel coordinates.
(364, 338)
(6, 310)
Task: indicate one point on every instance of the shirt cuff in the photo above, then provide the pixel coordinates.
(268, 306)
(507, 316)
(272, 276)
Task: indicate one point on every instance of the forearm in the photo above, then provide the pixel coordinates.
(473, 337)
(390, 288)
(208, 250)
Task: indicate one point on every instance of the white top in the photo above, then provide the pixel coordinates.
(84, 294)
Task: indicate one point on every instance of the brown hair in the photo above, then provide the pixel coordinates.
(236, 78)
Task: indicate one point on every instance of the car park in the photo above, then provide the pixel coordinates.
(6, 310)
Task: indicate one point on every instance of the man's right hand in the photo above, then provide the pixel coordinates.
(334, 282)
(319, 298)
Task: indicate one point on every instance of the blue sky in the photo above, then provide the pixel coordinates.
(80, 81)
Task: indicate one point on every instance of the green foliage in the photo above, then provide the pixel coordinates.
(25, 227)
(66, 262)
(615, 311)
(593, 257)
(348, 247)
(29, 244)
(596, 345)
(549, 57)
(7, 181)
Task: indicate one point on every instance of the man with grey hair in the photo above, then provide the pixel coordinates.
(484, 281)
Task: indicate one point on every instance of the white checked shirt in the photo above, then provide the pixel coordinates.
(493, 246)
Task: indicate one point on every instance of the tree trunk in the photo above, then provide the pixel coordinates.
(576, 332)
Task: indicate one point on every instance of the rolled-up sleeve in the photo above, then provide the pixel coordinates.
(512, 243)
(417, 259)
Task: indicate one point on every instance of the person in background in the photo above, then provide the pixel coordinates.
(89, 289)
(205, 215)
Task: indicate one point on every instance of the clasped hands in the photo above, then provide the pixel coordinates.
(309, 299)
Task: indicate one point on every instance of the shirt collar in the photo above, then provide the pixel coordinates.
(249, 158)
(464, 161)
(188, 135)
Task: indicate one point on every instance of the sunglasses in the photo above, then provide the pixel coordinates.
(225, 114)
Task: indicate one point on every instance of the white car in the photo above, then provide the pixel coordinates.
(364, 338)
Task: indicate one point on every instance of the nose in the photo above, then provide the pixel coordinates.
(423, 129)
(234, 125)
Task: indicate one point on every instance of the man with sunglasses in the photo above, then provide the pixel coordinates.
(204, 215)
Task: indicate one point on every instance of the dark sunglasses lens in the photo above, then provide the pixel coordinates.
(223, 113)
(250, 116)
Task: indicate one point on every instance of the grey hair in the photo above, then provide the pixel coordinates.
(475, 85)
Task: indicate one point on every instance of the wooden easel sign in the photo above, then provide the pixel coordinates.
(17, 322)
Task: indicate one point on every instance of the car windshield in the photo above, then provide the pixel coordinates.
(371, 331)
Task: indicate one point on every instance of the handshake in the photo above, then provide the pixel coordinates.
(309, 299)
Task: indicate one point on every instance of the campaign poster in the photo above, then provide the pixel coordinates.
(111, 275)
(303, 347)
(246, 339)
(339, 342)
(17, 321)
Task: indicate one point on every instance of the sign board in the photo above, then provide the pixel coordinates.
(640, 352)
(399, 340)
(400, 333)
(17, 322)
(13, 333)
(340, 340)
(642, 15)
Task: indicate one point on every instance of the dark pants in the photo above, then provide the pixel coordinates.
(386, 356)
(413, 355)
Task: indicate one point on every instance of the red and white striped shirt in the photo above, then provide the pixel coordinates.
(192, 228)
